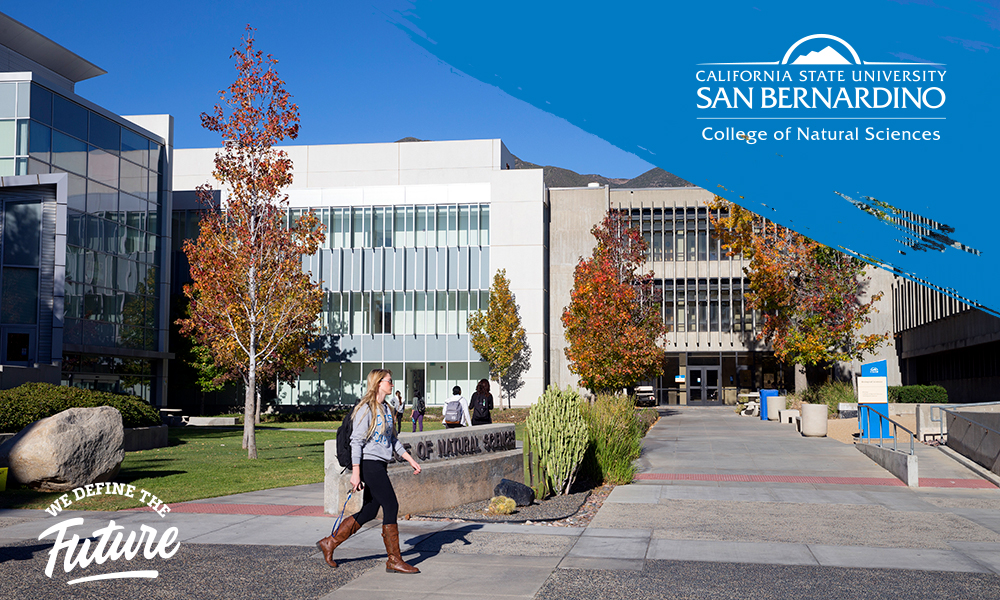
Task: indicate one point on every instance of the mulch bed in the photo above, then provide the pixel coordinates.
(572, 510)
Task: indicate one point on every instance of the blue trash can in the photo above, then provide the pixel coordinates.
(764, 395)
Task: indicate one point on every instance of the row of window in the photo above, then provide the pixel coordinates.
(22, 234)
(442, 225)
(706, 305)
(85, 267)
(400, 269)
(677, 234)
(102, 333)
(93, 233)
(400, 313)
(104, 304)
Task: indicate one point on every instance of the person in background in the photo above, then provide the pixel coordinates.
(456, 410)
(400, 405)
(419, 408)
(482, 404)
(372, 443)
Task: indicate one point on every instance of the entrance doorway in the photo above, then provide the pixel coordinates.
(703, 386)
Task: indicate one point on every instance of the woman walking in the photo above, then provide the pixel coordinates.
(372, 442)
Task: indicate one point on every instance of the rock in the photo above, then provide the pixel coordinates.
(73, 448)
(520, 493)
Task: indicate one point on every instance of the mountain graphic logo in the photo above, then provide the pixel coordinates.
(836, 52)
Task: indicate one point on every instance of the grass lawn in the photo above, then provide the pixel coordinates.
(209, 462)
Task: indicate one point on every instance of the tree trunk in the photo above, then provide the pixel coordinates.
(257, 416)
(249, 434)
(801, 382)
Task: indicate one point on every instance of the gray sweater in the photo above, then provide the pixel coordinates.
(379, 446)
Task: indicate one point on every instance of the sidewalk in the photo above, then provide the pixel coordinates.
(717, 497)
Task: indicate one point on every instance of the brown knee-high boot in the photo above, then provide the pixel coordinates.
(328, 544)
(395, 564)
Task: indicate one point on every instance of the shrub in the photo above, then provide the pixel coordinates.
(23, 405)
(615, 433)
(501, 505)
(557, 437)
(647, 417)
(830, 394)
(916, 394)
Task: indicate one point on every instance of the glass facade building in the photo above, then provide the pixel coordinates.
(104, 249)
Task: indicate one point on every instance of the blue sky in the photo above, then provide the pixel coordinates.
(355, 76)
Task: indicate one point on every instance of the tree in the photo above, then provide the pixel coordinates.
(613, 321)
(808, 294)
(250, 301)
(497, 335)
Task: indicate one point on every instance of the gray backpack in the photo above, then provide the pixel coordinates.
(453, 412)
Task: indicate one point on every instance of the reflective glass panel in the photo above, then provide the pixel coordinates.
(19, 302)
(22, 232)
(69, 117)
(69, 153)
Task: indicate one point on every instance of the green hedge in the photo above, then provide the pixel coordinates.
(615, 431)
(918, 394)
(23, 405)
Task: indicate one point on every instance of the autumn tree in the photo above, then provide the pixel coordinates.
(250, 301)
(497, 335)
(613, 322)
(809, 295)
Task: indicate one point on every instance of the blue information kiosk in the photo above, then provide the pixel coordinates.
(873, 392)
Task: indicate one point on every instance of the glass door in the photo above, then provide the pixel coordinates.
(703, 386)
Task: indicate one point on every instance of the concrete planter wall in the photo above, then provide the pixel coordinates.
(814, 420)
(145, 438)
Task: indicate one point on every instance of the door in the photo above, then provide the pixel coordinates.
(703, 386)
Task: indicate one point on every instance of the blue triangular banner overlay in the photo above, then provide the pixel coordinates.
(869, 126)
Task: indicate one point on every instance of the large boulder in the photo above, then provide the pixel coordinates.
(67, 450)
(521, 494)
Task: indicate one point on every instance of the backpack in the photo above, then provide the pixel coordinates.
(453, 412)
(344, 441)
(418, 405)
(481, 406)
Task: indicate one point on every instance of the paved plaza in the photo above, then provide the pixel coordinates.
(723, 506)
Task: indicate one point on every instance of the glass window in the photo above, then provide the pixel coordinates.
(102, 167)
(134, 179)
(380, 227)
(41, 104)
(724, 305)
(8, 100)
(69, 153)
(22, 233)
(484, 225)
(463, 225)
(8, 166)
(668, 305)
(410, 243)
(69, 117)
(22, 138)
(135, 147)
(40, 141)
(681, 310)
(20, 296)
(156, 155)
(713, 305)
(8, 138)
(23, 102)
(399, 227)
(421, 226)
(692, 305)
(104, 133)
(452, 226)
(474, 225)
(358, 228)
(442, 225)
(420, 312)
(101, 199)
(702, 305)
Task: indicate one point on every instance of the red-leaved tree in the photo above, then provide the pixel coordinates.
(251, 303)
(613, 322)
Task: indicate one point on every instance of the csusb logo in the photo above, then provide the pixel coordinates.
(819, 77)
(112, 542)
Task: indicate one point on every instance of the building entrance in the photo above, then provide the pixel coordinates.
(703, 386)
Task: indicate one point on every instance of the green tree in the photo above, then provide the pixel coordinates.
(497, 335)
(809, 295)
(250, 301)
(613, 321)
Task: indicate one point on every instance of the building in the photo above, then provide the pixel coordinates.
(415, 232)
(85, 194)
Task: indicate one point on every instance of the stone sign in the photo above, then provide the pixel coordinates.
(459, 466)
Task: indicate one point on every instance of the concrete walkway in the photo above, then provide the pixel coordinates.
(715, 491)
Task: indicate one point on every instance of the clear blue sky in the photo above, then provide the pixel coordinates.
(355, 76)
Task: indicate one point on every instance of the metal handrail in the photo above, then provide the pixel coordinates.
(895, 427)
(941, 410)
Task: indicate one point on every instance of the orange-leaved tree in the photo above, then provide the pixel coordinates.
(251, 303)
(613, 322)
(497, 335)
(810, 296)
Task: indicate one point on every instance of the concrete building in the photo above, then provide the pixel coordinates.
(85, 194)
(415, 232)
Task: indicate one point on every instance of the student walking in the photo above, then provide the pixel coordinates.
(399, 406)
(417, 414)
(456, 410)
(482, 403)
(372, 442)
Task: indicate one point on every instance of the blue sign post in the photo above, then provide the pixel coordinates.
(873, 393)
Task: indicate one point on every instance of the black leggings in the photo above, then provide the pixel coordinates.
(378, 492)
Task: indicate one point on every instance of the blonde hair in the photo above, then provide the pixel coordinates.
(370, 399)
